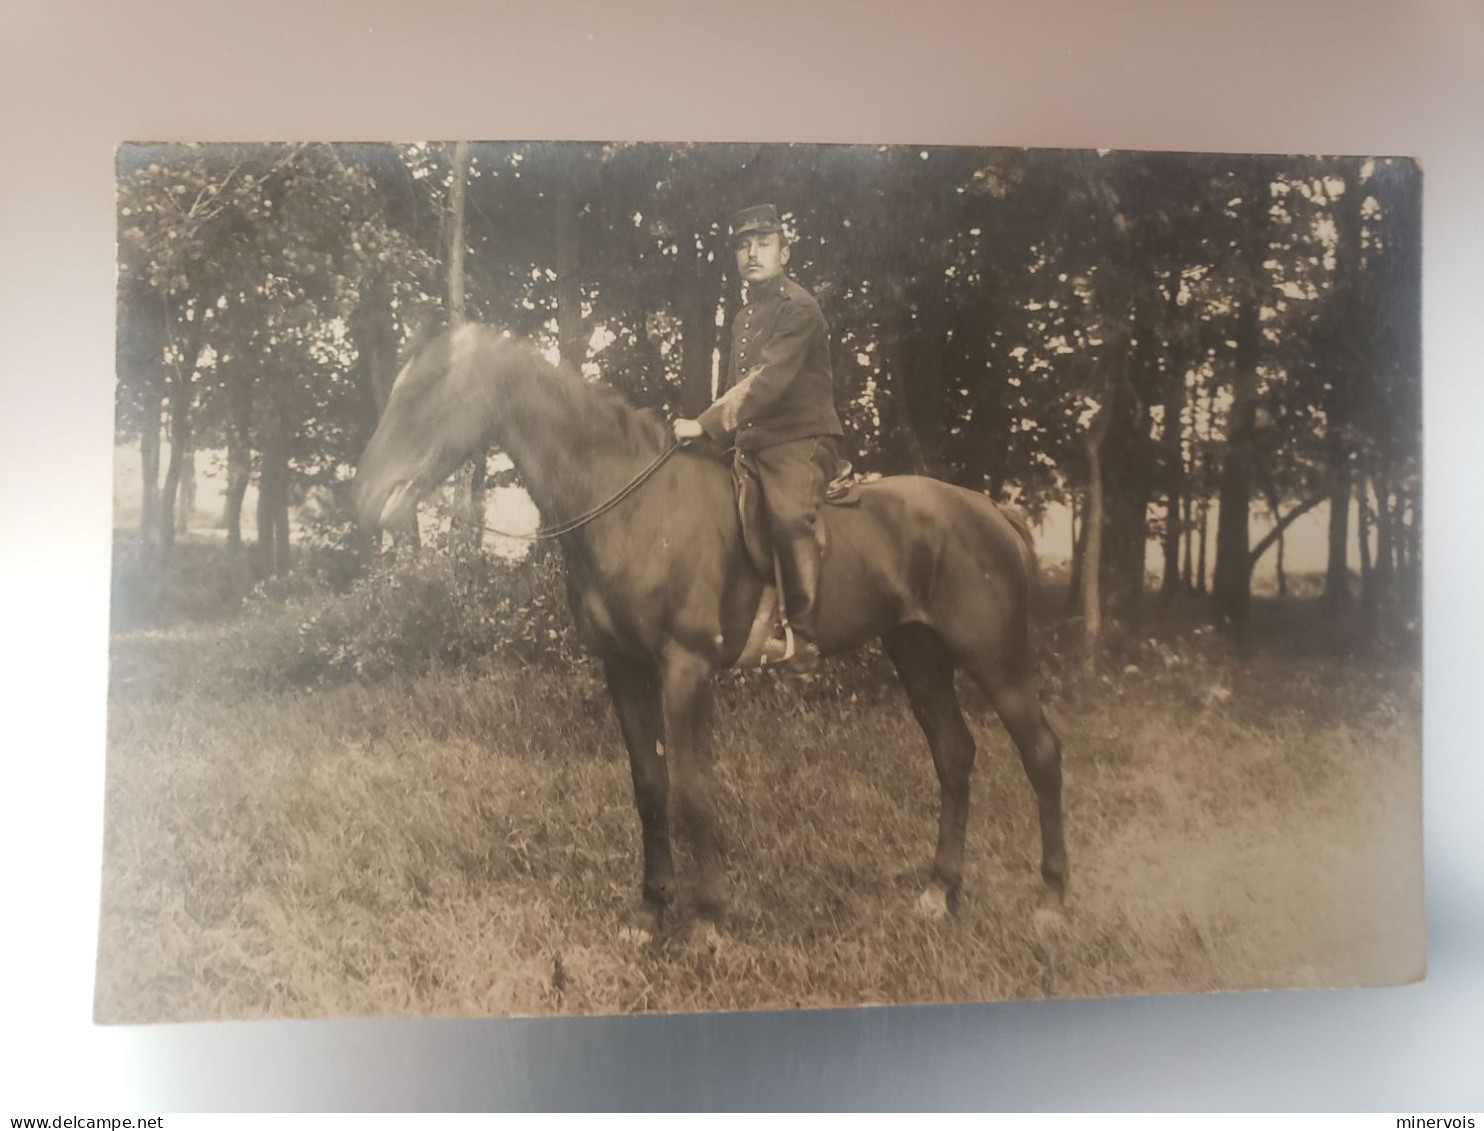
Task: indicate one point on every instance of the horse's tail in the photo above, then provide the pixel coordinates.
(1018, 520)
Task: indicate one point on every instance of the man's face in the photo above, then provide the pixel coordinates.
(761, 256)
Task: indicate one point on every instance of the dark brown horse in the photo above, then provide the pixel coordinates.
(663, 591)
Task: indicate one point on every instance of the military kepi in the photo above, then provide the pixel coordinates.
(758, 218)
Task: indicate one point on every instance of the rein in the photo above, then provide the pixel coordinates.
(558, 529)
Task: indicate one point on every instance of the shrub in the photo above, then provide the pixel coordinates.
(196, 581)
(412, 611)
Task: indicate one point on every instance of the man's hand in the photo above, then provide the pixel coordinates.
(688, 430)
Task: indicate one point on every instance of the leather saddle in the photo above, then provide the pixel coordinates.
(843, 491)
(769, 624)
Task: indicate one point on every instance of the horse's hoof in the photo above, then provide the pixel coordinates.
(1050, 918)
(635, 936)
(710, 938)
(640, 926)
(933, 903)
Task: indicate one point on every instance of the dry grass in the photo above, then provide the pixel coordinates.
(464, 842)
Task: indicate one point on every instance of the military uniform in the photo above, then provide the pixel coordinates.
(778, 409)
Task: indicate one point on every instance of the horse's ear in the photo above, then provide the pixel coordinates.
(425, 323)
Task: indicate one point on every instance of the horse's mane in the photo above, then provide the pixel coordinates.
(615, 414)
(596, 408)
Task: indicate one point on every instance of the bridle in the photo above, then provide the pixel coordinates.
(556, 530)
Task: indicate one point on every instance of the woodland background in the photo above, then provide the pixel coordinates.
(1176, 347)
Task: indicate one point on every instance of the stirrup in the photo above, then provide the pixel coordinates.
(771, 656)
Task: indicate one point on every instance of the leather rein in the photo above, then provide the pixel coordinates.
(556, 530)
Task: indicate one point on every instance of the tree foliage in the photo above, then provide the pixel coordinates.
(1140, 336)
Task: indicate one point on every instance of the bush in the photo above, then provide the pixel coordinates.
(412, 611)
(198, 581)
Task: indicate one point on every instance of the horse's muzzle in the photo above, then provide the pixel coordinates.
(378, 506)
(397, 507)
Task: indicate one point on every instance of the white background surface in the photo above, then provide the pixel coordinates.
(75, 79)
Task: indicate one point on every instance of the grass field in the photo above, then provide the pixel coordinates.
(464, 841)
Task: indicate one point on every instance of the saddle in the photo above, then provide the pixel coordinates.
(770, 624)
(843, 491)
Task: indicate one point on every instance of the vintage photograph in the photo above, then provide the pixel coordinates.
(591, 578)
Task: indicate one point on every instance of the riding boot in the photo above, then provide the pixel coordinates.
(793, 476)
(800, 561)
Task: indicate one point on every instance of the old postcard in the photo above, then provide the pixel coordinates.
(607, 578)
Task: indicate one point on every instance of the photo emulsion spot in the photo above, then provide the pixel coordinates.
(557, 578)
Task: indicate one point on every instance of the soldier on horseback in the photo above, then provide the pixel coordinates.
(778, 410)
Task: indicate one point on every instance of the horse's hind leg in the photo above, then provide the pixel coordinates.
(635, 689)
(1019, 707)
(926, 668)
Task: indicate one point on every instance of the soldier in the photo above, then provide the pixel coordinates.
(779, 408)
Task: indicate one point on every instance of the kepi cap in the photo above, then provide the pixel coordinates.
(758, 218)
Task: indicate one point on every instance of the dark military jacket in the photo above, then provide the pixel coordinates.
(779, 386)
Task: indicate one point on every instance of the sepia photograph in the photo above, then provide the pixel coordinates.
(559, 578)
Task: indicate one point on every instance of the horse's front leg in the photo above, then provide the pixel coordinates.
(686, 681)
(635, 688)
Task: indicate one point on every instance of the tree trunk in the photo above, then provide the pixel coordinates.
(1414, 556)
(698, 306)
(185, 499)
(1074, 563)
(568, 257)
(926, 352)
(1367, 580)
(1399, 533)
(1337, 574)
(1079, 548)
(239, 391)
(1187, 572)
(1275, 535)
(141, 336)
(271, 553)
(1126, 489)
(1205, 538)
(1170, 581)
(467, 522)
(149, 459)
(282, 552)
(1130, 459)
(1092, 609)
(182, 394)
(239, 474)
(1231, 582)
(455, 264)
(1074, 526)
(653, 375)
(896, 347)
(1282, 576)
(1345, 315)
(1092, 606)
(374, 331)
(1174, 448)
(182, 400)
(1384, 578)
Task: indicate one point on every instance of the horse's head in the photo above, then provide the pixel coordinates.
(437, 416)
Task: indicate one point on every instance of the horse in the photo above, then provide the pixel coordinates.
(663, 591)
